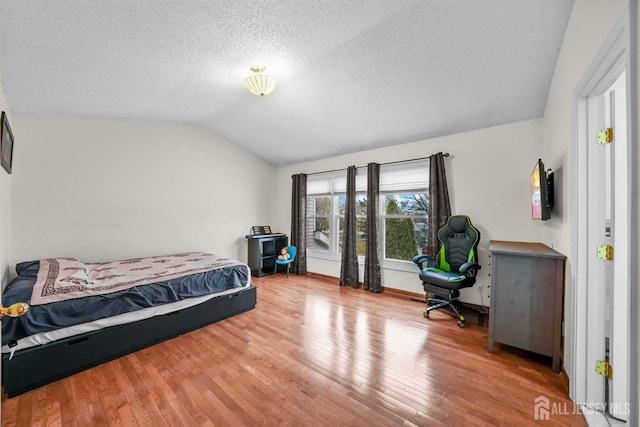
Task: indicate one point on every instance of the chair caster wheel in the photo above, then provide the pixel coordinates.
(461, 323)
(426, 314)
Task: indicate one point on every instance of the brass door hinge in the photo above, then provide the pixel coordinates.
(604, 368)
(605, 136)
(605, 252)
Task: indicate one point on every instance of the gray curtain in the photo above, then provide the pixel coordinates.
(439, 206)
(298, 222)
(372, 279)
(349, 266)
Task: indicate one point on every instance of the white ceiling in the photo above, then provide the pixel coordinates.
(351, 75)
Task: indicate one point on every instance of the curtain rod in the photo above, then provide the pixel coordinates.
(387, 163)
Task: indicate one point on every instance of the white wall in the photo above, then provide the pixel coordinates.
(589, 24)
(5, 203)
(106, 189)
(488, 177)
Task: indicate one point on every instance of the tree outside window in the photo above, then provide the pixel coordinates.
(361, 222)
(403, 212)
(405, 225)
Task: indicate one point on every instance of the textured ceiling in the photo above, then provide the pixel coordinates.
(351, 75)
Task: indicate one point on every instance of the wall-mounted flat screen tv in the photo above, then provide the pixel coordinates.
(541, 192)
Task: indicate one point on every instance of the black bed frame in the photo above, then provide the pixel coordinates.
(36, 366)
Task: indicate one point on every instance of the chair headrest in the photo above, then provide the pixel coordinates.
(459, 242)
(458, 224)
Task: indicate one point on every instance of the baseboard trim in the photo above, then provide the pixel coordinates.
(391, 291)
(324, 277)
(397, 293)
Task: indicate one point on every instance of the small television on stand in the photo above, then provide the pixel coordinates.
(541, 192)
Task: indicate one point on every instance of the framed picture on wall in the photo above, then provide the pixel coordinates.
(6, 143)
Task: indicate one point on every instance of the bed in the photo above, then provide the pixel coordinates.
(85, 314)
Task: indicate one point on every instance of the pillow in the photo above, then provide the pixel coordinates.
(28, 268)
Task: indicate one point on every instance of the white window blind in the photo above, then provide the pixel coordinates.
(335, 182)
(412, 175)
(403, 176)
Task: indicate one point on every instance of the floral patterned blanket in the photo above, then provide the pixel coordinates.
(61, 279)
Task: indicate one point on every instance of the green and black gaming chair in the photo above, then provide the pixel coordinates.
(453, 268)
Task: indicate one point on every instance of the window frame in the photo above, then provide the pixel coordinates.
(330, 217)
(395, 263)
(335, 187)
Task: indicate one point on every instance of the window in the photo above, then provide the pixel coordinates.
(403, 211)
(326, 198)
(361, 222)
(405, 225)
(404, 199)
(319, 213)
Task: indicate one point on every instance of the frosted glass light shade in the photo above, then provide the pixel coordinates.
(259, 84)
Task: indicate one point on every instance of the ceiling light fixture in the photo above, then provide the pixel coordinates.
(258, 83)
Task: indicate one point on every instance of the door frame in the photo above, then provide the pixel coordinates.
(617, 55)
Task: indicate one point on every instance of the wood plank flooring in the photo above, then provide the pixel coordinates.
(310, 354)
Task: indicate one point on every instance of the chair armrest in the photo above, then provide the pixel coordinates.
(423, 260)
(469, 268)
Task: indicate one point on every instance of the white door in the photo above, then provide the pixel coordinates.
(608, 280)
(600, 304)
(617, 314)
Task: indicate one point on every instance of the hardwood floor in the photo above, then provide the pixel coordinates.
(310, 354)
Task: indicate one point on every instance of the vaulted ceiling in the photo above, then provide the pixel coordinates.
(351, 74)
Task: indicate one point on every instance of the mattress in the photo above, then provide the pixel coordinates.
(50, 322)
